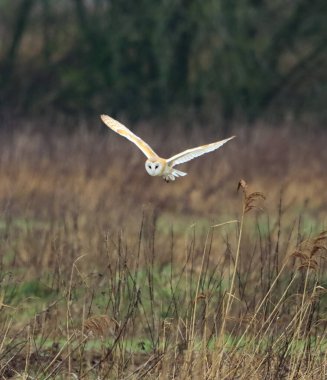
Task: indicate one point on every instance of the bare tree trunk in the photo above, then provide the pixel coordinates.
(46, 21)
(23, 13)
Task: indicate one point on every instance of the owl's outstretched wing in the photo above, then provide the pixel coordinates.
(123, 131)
(189, 154)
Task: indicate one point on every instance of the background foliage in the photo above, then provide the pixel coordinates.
(106, 272)
(236, 59)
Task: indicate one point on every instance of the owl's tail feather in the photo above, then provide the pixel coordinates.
(178, 173)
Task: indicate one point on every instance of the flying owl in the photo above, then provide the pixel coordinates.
(155, 165)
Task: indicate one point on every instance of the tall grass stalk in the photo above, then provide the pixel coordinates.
(230, 295)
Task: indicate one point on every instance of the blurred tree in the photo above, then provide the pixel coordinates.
(241, 59)
(18, 29)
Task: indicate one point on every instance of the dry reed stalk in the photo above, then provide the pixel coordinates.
(68, 311)
(308, 252)
(249, 203)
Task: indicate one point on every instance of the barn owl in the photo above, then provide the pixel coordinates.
(155, 165)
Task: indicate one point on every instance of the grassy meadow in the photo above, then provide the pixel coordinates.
(108, 273)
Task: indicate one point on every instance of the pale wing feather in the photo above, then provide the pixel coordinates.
(125, 132)
(189, 154)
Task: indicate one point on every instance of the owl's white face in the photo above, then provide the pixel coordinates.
(153, 168)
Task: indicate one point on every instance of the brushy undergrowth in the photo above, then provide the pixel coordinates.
(107, 273)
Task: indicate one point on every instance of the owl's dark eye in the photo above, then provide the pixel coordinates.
(149, 166)
(156, 166)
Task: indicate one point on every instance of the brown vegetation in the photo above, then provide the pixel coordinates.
(107, 272)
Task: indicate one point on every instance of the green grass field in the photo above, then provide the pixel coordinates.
(107, 273)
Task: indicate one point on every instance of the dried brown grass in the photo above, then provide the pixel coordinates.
(245, 292)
